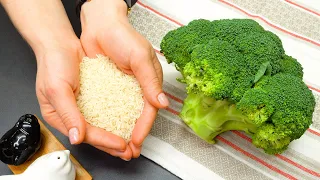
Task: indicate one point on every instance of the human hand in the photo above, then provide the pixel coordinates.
(46, 28)
(57, 87)
(107, 31)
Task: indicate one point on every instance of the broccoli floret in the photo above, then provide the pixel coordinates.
(293, 101)
(284, 103)
(177, 44)
(229, 29)
(238, 77)
(260, 47)
(213, 69)
(256, 105)
(272, 140)
(291, 65)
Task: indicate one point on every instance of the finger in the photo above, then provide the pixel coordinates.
(50, 115)
(53, 119)
(125, 155)
(135, 150)
(147, 76)
(64, 101)
(144, 124)
(158, 68)
(91, 47)
(100, 137)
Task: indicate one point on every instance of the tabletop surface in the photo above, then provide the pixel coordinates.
(17, 94)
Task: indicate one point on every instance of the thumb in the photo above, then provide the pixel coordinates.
(64, 101)
(151, 84)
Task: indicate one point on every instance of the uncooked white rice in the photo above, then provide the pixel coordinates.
(109, 98)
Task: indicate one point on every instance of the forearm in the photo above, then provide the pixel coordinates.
(42, 23)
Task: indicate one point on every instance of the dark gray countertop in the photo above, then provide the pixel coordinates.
(17, 97)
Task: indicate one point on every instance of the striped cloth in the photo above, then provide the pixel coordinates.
(175, 147)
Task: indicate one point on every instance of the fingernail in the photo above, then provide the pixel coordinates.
(125, 159)
(73, 135)
(163, 99)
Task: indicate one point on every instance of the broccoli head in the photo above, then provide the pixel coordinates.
(238, 77)
(177, 45)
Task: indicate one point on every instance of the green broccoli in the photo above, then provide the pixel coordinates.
(238, 77)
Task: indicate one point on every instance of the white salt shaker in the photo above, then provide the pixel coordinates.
(52, 166)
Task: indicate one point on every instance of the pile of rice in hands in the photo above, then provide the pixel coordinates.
(109, 98)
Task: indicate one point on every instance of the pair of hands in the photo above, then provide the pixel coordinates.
(106, 31)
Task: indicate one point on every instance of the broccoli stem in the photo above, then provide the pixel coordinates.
(208, 117)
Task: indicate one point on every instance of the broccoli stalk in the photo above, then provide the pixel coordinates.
(208, 117)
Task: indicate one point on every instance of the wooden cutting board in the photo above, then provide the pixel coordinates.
(49, 144)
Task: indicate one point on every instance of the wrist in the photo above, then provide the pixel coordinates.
(112, 6)
(51, 39)
(113, 9)
(55, 43)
